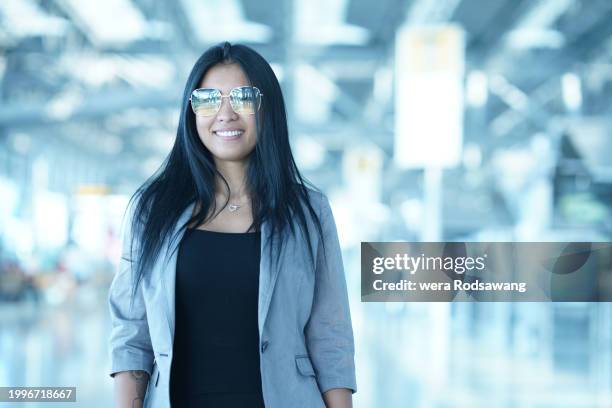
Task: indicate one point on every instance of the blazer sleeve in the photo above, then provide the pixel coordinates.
(130, 342)
(329, 332)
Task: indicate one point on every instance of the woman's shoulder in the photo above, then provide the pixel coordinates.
(314, 194)
(318, 201)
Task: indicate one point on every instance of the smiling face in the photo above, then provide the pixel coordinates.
(229, 136)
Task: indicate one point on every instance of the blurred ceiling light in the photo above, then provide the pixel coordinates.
(533, 31)
(322, 22)
(149, 71)
(525, 38)
(545, 13)
(431, 11)
(109, 22)
(23, 18)
(505, 122)
(510, 94)
(571, 89)
(223, 20)
(92, 69)
(309, 153)
(97, 70)
(477, 89)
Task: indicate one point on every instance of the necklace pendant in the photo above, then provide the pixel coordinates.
(233, 207)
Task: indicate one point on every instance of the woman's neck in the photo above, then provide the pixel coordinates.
(235, 175)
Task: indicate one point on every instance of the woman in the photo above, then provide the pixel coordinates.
(231, 289)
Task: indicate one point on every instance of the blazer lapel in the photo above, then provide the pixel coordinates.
(268, 272)
(168, 271)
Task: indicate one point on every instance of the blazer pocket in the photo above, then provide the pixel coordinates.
(304, 365)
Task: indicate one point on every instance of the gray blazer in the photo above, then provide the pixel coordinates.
(306, 338)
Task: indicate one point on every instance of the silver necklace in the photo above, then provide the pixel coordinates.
(233, 207)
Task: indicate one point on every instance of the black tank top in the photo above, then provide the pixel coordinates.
(215, 359)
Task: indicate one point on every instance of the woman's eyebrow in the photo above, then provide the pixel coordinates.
(224, 91)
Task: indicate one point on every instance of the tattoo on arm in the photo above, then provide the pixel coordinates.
(141, 378)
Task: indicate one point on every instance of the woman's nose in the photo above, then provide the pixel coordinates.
(225, 111)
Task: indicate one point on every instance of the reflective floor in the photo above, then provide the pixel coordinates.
(63, 345)
(426, 356)
(408, 355)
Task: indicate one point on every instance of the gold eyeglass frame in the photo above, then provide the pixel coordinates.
(228, 96)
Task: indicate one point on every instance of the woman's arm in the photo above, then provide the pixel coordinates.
(338, 398)
(130, 388)
(131, 351)
(329, 333)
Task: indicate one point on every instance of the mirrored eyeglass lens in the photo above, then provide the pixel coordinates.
(205, 102)
(244, 99)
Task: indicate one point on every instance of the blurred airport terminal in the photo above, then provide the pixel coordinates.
(470, 120)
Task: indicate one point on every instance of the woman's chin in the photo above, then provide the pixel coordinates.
(230, 155)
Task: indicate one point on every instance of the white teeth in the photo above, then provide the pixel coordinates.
(229, 133)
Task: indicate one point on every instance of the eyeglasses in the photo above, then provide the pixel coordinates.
(243, 100)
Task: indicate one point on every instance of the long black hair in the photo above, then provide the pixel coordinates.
(278, 191)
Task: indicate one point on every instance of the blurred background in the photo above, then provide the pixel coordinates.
(475, 120)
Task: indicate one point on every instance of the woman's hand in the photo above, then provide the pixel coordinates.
(338, 398)
(130, 388)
